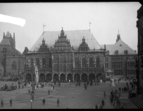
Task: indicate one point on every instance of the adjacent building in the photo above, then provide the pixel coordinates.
(11, 60)
(120, 59)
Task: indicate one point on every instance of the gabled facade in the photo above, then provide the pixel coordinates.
(64, 60)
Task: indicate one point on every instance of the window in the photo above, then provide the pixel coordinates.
(4, 49)
(116, 52)
(37, 61)
(98, 62)
(106, 58)
(125, 52)
(43, 62)
(84, 62)
(13, 65)
(77, 62)
(50, 62)
(106, 65)
(91, 62)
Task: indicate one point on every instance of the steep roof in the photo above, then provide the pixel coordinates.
(120, 46)
(5, 41)
(74, 36)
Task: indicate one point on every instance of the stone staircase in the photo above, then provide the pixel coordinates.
(138, 101)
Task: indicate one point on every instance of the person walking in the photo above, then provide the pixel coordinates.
(2, 103)
(103, 102)
(44, 101)
(10, 102)
(58, 102)
(96, 107)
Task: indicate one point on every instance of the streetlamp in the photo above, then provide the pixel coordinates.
(31, 103)
(4, 60)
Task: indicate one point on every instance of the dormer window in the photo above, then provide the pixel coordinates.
(116, 52)
(107, 52)
(125, 52)
(83, 46)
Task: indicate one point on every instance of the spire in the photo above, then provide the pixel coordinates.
(118, 36)
(62, 32)
(44, 27)
(43, 41)
(83, 39)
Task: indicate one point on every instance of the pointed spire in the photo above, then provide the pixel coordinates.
(43, 41)
(62, 32)
(118, 36)
(83, 39)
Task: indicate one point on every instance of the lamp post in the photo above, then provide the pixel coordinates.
(31, 103)
(4, 60)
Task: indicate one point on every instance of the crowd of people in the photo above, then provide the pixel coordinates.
(114, 95)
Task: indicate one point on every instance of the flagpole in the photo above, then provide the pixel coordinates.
(89, 25)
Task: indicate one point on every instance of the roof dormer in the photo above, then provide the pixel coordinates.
(83, 46)
(116, 52)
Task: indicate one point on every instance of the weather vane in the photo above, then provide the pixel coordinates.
(43, 27)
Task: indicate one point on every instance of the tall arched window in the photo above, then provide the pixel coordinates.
(14, 65)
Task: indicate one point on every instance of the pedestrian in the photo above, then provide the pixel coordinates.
(103, 102)
(96, 106)
(48, 92)
(58, 102)
(101, 107)
(10, 102)
(119, 89)
(44, 101)
(1, 103)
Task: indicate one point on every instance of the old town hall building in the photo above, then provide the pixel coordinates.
(66, 55)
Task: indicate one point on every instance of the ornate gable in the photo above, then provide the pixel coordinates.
(43, 47)
(83, 46)
(62, 44)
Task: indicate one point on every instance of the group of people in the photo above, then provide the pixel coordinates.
(9, 79)
(8, 87)
(114, 99)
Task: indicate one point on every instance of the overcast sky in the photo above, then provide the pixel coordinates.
(106, 18)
